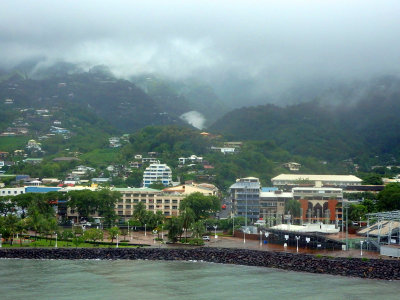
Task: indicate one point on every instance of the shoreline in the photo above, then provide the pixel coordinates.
(351, 267)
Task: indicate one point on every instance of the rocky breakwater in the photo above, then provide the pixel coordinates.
(355, 267)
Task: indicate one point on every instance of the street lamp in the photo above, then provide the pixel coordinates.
(245, 220)
(145, 233)
(162, 232)
(297, 240)
(56, 241)
(260, 238)
(361, 246)
(117, 240)
(215, 232)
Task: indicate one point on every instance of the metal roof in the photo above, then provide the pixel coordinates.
(317, 177)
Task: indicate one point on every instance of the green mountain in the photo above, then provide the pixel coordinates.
(366, 130)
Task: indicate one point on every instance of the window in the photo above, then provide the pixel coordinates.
(120, 212)
(174, 201)
(166, 207)
(127, 206)
(159, 201)
(174, 207)
(128, 200)
(120, 206)
(166, 201)
(151, 206)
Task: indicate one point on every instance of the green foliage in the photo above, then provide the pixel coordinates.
(293, 207)
(389, 198)
(77, 240)
(113, 232)
(174, 227)
(201, 206)
(93, 234)
(357, 212)
(196, 242)
(157, 185)
(372, 179)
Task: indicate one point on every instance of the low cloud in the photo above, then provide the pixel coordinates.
(269, 45)
(194, 118)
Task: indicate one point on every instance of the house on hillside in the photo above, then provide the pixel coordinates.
(292, 166)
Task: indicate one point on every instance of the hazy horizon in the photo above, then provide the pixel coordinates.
(268, 47)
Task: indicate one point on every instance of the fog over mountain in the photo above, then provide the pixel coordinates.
(249, 51)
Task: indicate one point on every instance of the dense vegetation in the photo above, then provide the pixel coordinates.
(366, 131)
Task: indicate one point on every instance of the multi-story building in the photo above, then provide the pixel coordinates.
(319, 204)
(154, 200)
(157, 173)
(245, 195)
(273, 203)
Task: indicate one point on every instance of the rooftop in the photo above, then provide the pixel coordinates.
(317, 177)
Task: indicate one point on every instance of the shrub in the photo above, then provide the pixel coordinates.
(197, 242)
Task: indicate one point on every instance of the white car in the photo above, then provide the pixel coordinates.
(206, 238)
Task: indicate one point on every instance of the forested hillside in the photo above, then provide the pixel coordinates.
(367, 130)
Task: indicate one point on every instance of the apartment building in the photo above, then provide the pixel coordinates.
(157, 173)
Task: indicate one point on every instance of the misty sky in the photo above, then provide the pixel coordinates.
(276, 43)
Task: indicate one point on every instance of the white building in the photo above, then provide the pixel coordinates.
(315, 180)
(157, 173)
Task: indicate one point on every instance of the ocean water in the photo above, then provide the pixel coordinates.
(122, 279)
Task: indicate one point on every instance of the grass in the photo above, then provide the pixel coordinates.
(101, 156)
(43, 243)
(11, 143)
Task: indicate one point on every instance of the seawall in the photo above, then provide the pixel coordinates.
(355, 267)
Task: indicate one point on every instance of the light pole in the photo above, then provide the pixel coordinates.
(260, 238)
(215, 231)
(361, 246)
(162, 232)
(245, 220)
(297, 240)
(56, 241)
(145, 233)
(117, 240)
(128, 229)
(347, 227)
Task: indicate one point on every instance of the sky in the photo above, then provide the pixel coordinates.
(269, 45)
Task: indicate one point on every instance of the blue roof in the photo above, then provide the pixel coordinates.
(41, 189)
(269, 189)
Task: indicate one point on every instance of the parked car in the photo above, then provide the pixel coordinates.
(206, 238)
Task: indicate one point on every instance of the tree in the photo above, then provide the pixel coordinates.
(372, 179)
(389, 198)
(139, 213)
(77, 240)
(292, 207)
(201, 205)
(174, 226)
(198, 229)
(84, 202)
(357, 212)
(93, 234)
(6, 206)
(113, 232)
(187, 218)
(106, 201)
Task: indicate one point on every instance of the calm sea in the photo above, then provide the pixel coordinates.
(91, 279)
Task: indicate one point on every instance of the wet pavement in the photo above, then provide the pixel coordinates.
(233, 242)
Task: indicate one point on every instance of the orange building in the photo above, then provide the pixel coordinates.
(319, 204)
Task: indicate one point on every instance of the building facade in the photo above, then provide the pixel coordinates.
(245, 195)
(157, 173)
(319, 204)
